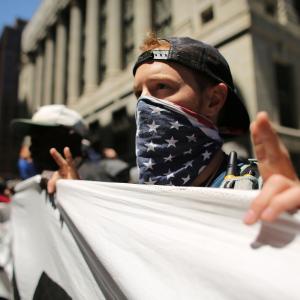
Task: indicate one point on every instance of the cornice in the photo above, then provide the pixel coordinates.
(44, 17)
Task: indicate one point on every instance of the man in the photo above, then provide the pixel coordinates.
(58, 126)
(25, 164)
(186, 101)
(51, 126)
(189, 83)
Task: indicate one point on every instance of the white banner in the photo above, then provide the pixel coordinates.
(119, 241)
(6, 257)
(48, 262)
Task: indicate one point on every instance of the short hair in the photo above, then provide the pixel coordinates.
(153, 42)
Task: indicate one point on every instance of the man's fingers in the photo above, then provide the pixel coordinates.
(51, 185)
(277, 171)
(275, 185)
(288, 200)
(61, 162)
(272, 155)
(68, 156)
(264, 135)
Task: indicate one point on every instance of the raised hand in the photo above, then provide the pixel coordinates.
(67, 169)
(272, 155)
(280, 179)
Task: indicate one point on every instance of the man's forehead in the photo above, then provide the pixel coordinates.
(161, 70)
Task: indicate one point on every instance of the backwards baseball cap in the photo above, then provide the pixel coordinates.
(55, 115)
(201, 57)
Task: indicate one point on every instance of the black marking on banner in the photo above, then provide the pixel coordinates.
(107, 284)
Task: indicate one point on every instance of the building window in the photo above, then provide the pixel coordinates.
(127, 32)
(285, 95)
(296, 5)
(292, 10)
(270, 8)
(207, 15)
(94, 131)
(102, 39)
(161, 17)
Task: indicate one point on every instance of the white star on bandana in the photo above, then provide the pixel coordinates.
(175, 125)
(191, 138)
(171, 142)
(153, 127)
(149, 164)
(151, 146)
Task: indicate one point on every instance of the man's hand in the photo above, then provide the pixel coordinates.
(281, 190)
(67, 169)
(273, 157)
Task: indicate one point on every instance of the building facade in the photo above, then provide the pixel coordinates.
(80, 53)
(10, 46)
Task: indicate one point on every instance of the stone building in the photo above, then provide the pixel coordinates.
(80, 53)
(10, 41)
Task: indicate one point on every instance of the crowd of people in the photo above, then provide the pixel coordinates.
(58, 126)
(186, 104)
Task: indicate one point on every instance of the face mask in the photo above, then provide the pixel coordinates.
(173, 144)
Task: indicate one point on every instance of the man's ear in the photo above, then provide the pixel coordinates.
(216, 97)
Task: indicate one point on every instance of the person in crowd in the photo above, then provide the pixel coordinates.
(186, 103)
(4, 192)
(58, 126)
(103, 164)
(25, 163)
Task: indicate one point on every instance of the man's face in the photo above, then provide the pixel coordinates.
(171, 82)
(42, 140)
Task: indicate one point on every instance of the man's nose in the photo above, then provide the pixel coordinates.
(145, 92)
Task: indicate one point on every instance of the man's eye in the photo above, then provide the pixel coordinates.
(162, 86)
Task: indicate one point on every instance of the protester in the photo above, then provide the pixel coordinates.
(186, 102)
(4, 192)
(103, 164)
(58, 126)
(25, 163)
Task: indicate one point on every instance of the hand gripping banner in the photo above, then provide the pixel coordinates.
(125, 241)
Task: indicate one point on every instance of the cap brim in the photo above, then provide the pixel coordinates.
(234, 119)
(23, 127)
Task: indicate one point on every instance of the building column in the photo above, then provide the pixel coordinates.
(27, 80)
(113, 50)
(142, 22)
(74, 67)
(282, 12)
(91, 46)
(60, 62)
(49, 66)
(38, 79)
(32, 83)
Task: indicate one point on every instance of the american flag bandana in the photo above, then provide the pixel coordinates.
(173, 144)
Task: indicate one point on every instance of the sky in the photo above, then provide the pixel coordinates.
(12, 9)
